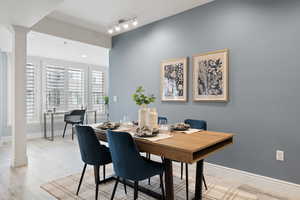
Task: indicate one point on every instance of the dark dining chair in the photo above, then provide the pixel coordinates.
(162, 120)
(197, 124)
(92, 153)
(129, 164)
(74, 117)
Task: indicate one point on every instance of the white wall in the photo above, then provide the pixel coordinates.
(5, 39)
(72, 32)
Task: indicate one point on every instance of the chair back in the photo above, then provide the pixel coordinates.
(126, 159)
(76, 116)
(92, 152)
(162, 120)
(198, 124)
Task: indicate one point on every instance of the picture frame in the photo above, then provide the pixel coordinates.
(174, 74)
(211, 76)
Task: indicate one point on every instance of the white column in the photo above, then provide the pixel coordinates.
(18, 78)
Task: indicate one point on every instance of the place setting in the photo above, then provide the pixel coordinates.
(184, 128)
(151, 133)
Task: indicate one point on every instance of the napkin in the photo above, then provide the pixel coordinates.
(160, 136)
(123, 129)
(191, 131)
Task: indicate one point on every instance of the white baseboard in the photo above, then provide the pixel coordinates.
(7, 139)
(283, 188)
(31, 136)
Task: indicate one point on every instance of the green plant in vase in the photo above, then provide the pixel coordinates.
(142, 100)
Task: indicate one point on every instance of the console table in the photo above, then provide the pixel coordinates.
(60, 113)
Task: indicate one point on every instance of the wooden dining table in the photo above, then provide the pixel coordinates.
(182, 147)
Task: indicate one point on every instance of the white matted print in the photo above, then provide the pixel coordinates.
(210, 76)
(174, 80)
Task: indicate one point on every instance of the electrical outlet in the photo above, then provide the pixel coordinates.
(115, 98)
(280, 155)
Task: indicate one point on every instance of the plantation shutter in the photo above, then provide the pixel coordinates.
(75, 96)
(55, 87)
(96, 90)
(31, 92)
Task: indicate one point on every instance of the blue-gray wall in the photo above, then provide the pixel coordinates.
(263, 38)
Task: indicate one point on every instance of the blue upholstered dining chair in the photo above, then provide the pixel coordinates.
(162, 120)
(129, 164)
(73, 117)
(92, 153)
(197, 124)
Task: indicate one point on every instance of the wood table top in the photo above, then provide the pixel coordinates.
(183, 147)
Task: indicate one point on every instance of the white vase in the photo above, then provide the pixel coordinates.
(143, 115)
(152, 118)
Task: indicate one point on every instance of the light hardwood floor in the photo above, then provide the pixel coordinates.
(48, 161)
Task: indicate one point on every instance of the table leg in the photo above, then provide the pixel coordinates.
(169, 179)
(85, 117)
(45, 126)
(199, 177)
(52, 126)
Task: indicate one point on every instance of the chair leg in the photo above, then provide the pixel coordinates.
(65, 130)
(149, 157)
(162, 186)
(162, 160)
(81, 178)
(181, 171)
(204, 181)
(187, 180)
(104, 172)
(115, 188)
(124, 183)
(97, 180)
(72, 132)
(136, 187)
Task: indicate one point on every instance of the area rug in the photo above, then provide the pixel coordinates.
(65, 189)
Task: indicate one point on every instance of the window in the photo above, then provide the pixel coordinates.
(97, 90)
(62, 85)
(31, 92)
(75, 88)
(55, 87)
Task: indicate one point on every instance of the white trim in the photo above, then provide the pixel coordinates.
(283, 188)
(31, 136)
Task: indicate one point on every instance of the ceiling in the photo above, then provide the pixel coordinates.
(49, 46)
(25, 12)
(98, 15)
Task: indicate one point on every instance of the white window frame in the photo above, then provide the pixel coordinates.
(65, 64)
(105, 82)
(37, 64)
(41, 64)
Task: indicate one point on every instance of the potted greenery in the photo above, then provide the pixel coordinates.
(143, 101)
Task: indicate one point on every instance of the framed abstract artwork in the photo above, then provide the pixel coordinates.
(210, 76)
(174, 80)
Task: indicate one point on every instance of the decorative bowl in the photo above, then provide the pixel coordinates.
(146, 132)
(109, 125)
(180, 127)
